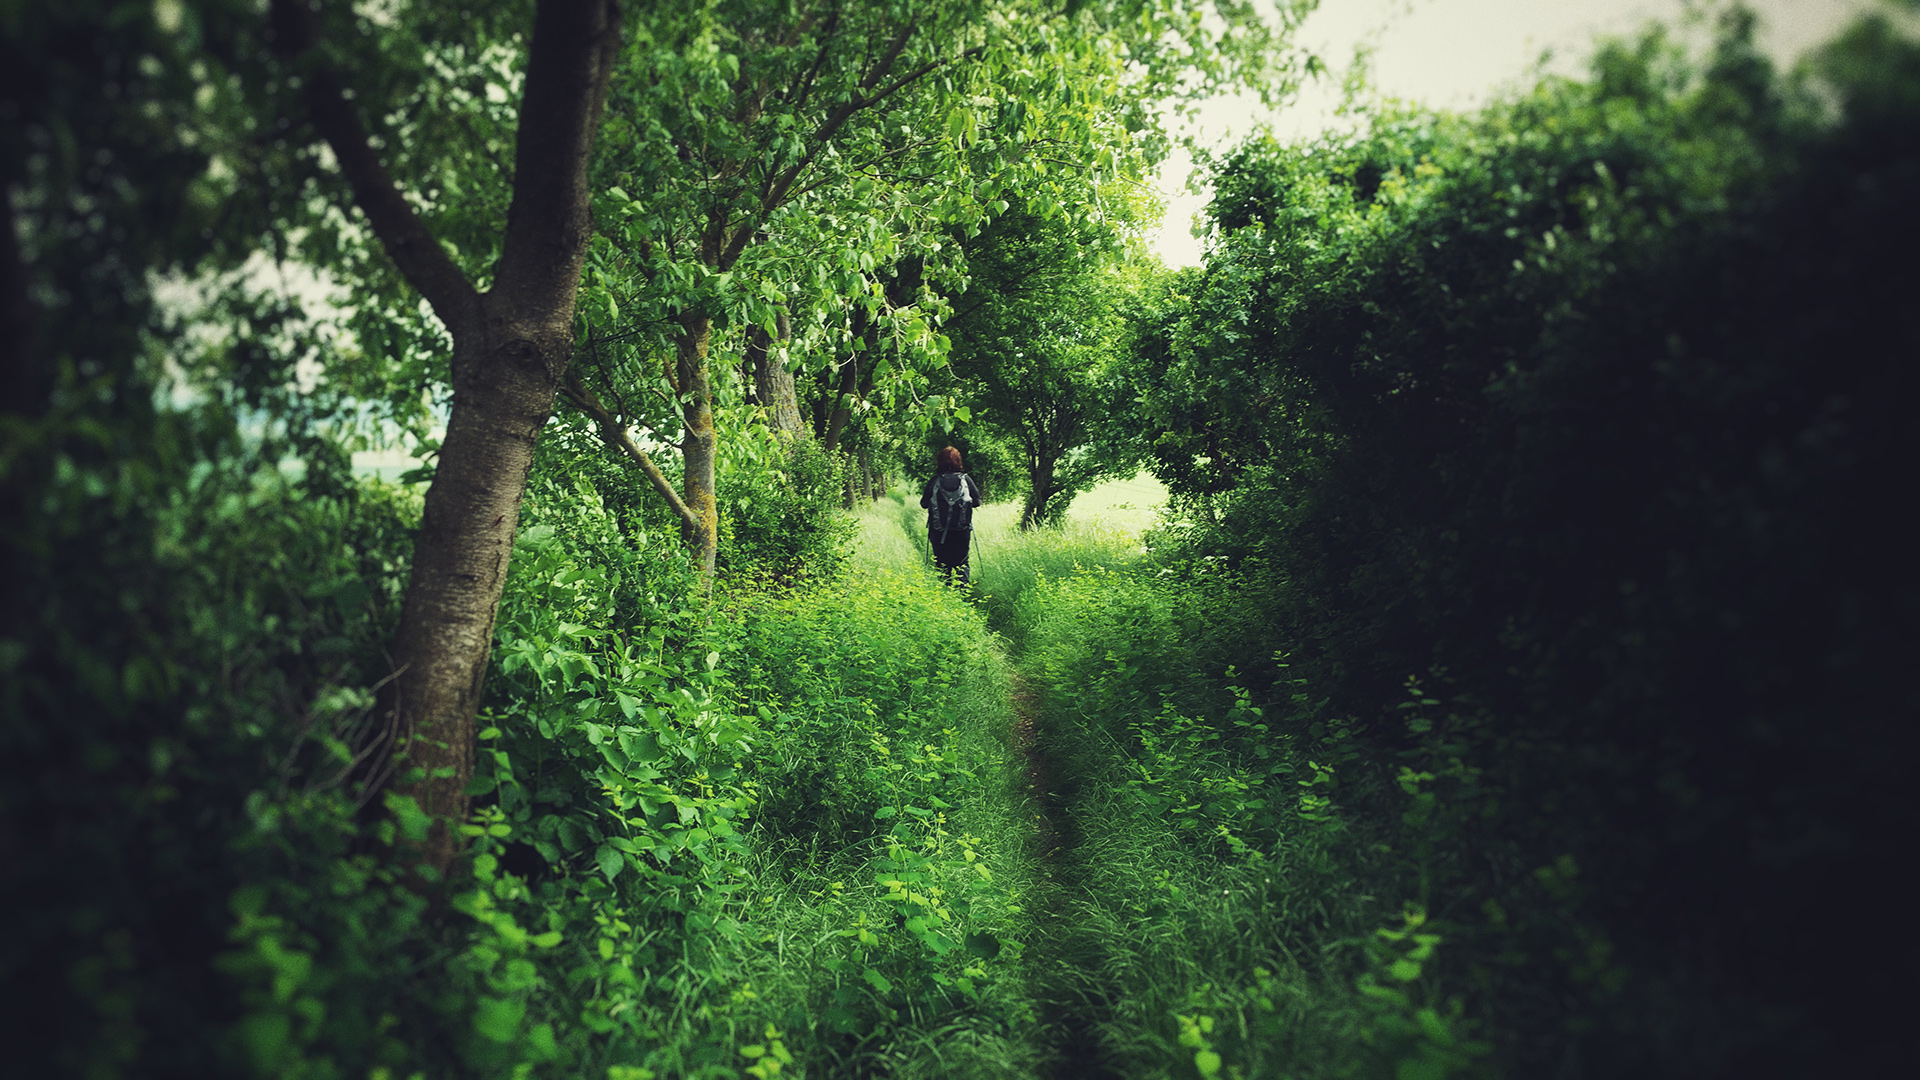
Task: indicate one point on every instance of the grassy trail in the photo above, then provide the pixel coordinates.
(1181, 917)
(1006, 565)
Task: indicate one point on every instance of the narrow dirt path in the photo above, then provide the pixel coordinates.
(1067, 1018)
(1037, 781)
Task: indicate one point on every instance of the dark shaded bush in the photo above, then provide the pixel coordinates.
(1592, 411)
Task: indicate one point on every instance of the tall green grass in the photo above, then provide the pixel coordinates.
(1211, 921)
(1208, 910)
(890, 899)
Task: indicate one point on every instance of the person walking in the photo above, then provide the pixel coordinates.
(949, 499)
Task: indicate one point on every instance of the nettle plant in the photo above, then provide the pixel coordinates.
(609, 795)
(610, 749)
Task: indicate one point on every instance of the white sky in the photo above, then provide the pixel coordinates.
(1453, 53)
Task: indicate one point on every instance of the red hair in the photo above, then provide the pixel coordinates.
(949, 460)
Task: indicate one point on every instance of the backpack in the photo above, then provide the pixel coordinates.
(952, 506)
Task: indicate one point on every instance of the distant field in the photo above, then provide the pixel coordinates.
(1127, 505)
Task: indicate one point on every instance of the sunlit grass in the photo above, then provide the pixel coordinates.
(1102, 529)
(1135, 924)
(882, 544)
(1129, 506)
(884, 686)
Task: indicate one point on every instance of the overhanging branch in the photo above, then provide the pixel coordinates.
(615, 435)
(419, 256)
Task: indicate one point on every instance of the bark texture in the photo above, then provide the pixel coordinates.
(773, 387)
(510, 354)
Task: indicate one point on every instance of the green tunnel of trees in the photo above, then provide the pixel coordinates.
(1516, 682)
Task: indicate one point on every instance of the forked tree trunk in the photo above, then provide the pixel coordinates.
(511, 346)
(1040, 492)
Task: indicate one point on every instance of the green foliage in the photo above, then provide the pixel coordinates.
(780, 508)
(672, 796)
(1216, 905)
(1585, 409)
(1575, 407)
(883, 781)
(992, 459)
(818, 160)
(208, 746)
(1042, 316)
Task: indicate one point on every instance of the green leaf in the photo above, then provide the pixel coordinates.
(880, 983)
(1207, 1062)
(498, 1019)
(1435, 1027)
(414, 822)
(610, 861)
(640, 746)
(541, 1042)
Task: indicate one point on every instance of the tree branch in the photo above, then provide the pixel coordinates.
(804, 89)
(614, 435)
(425, 264)
(892, 57)
(777, 188)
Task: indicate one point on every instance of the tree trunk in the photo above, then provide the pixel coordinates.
(510, 352)
(502, 397)
(841, 410)
(867, 478)
(698, 445)
(772, 383)
(1040, 488)
(1034, 513)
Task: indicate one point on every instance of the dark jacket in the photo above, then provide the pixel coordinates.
(926, 496)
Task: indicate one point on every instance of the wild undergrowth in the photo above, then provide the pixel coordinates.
(1228, 916)
(1212, 910)
(764, 832)
(894, 861)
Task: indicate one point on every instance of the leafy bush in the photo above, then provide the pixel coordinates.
(1580, 409)
(209, 668)
(780, 501)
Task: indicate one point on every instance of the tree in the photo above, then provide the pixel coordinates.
(814, 158)
(1044, 315)
(511, 344)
